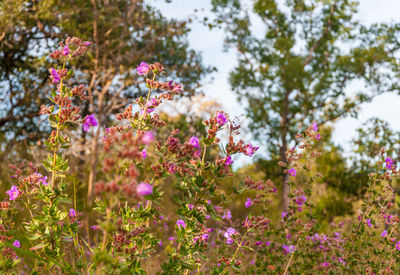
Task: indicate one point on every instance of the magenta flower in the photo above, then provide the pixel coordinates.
(267, 243)
(228, 160)
(288, 248)
(143, 68)
(300, 200)
(342, 261)
(87, 43)
(95, 227)
(368, 221)
(221, 119)
(148, 137)
(247, 203)
(90, 121)
(65, 50)
(314, 126)
(250, 150)
(13, 193)
(318, 136)
(389, 163)
(72, 213)
(54, 75)
(283, 215)
(227, 215)
(144, 154)
(398, 245)
(180, 223)
(144, 189)
(44, 181)
(194, 141)
(384, 234)
(228, 235)
(16, 243)
(325, 264)
(292, 172)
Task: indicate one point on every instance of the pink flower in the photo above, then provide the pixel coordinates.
(228, 235)
(247, 203)
(13, 193)
(389, 163)
(143, 68)
(144, 153)
(368, 221)
(54, 75)
(228, 160)
(300, 200)
(194, 141)
(43, 181)
(314, 127)
(87, 43)
(283, 215)
(72, 213)
(227, 215)
(384, 234)
(221, 119)
(148, 137)
(180, 223)
(318, 136)
(144, 189)
(90, 121)
(398, 245)
(250, 150)
(288, 248)
(16, 243)
(292, 172)
(342, 261)
(65, 51)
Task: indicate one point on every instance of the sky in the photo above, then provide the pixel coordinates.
(210, 45)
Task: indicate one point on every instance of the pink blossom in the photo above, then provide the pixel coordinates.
(144, 154)
(72, 213)
(389, 163)
(143, 68)
(54, 75)
(194, 141)
(65, 51)
(247, 203)
(180, 223)
(250, 150)
(144, 189)
(228, 160)
(16, 243)
(148, 137)
(228, 235)
(13, 193)
(221, 119)
(90, 121)
(292, 172)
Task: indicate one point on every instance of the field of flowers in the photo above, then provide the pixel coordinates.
(162, 205)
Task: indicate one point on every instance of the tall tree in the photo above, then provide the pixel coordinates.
(124, 33)
(300, 69)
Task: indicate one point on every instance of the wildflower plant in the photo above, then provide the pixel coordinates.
(132, 229)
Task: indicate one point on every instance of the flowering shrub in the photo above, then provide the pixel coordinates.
(133, 233)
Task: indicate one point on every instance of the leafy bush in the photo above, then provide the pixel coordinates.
(134, 228)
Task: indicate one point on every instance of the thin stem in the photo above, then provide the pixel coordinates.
(291, 257)
(237, 250)
(53, 172)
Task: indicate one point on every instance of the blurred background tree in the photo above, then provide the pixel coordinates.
(301, 69)
(124, 34)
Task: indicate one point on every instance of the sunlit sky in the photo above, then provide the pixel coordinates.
(210, 44)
